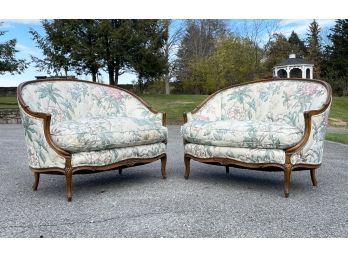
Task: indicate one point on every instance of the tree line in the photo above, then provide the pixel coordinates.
(190, 56)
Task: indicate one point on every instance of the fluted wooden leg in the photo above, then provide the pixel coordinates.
(227, 169)
(313, 177)
(187, 167)
(163, 166)
(68, 178)
(287, 176)
(36, 180)
(120, 171)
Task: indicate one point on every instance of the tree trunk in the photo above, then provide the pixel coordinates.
(116, 76)
(94, 76)
(111, 71)
(166, 82)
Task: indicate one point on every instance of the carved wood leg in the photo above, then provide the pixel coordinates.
(163, 166)
(36, 180)
(287, 176)
(120, 171)
(227, 169)
(68, 178)
(187, 167)
(313, 177)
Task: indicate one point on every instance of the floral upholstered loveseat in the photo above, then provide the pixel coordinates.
(74, 126)
(275, 124)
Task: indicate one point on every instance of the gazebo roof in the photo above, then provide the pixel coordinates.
(292, 60)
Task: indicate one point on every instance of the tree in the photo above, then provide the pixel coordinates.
(147, 58)
(259, 32)
(313, 41)
(197, 42)
(86, 46)
(335, 65)
(338, 51)
(277, 49)
(171, 42)
(231, 62)
(8, 61)
(84, 41)
(55, 46)
(297, 46)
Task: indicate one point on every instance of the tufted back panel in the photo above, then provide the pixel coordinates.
(69, 100)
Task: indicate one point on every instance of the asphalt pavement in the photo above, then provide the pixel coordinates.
(138, 203)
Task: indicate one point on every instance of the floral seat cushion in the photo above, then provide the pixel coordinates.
(242, 134)
(100, 133)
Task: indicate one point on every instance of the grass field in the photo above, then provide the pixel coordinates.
(336, 137)
(339, 111)
(8, 102)
(174, 105)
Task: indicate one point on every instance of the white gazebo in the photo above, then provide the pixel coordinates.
(294, 68)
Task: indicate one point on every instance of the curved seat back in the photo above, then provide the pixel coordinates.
(276, 100)
(75, 99)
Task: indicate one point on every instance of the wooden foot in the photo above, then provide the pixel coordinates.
(287, 176)
(36, 181)
(227, 169)
(187, 167)
(68, 178)
(313, 177)
(163, 166)
(120, 171)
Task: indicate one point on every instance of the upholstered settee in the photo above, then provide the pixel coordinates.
(74, 126)
(275, 124)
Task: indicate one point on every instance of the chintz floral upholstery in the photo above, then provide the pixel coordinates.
(242, 134)
(257, 122)
(98, 125)
(100, 133)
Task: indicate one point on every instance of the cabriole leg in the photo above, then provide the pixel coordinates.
(187, 167)
(36, 180)
(287, 176)
(163, 166)
(68, 178)
(313, 177)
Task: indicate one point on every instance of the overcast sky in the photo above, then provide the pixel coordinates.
(19, 29)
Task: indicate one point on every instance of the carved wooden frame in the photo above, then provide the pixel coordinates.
(287, 167)
(68, 170)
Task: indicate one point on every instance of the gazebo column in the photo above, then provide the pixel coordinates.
(311, 72)
(287, 72)
(303, 69)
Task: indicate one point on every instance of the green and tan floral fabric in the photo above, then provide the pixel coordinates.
(279, 103)
(105, 157)
(70, 100)
(89, 119)
(40, 154)
(243, 134)
(100, 133)
(312, 152)
(247, 155)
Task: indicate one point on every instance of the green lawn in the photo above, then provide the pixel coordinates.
(341, 138)
(8, 102)
(339, 110)
(174, 105)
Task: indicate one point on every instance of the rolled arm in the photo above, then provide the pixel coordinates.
(42, 151)
(308, 116)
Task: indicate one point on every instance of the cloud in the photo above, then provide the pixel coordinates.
(301, 26)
